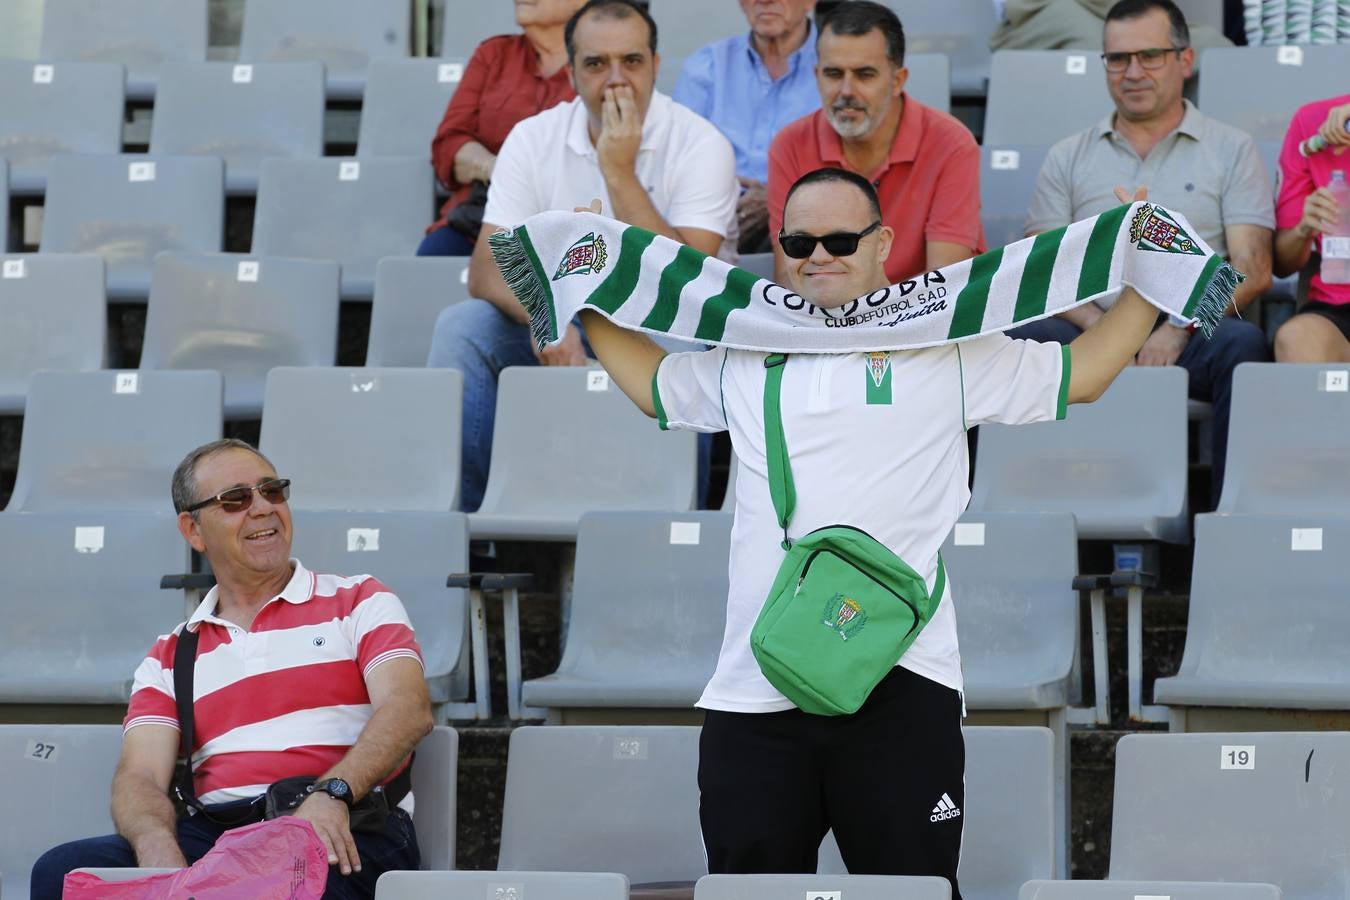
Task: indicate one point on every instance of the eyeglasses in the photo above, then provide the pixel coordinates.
(1151, 58)
(238, 499)
(840, 243)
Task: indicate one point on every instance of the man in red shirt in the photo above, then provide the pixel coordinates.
(924, 164)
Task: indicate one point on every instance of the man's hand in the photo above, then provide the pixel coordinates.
(332, 823)
(1319, 214)
(752, 209)
(1163, 346)
(159, 851)
(1333, 129)
(569, 352)
(620, 131)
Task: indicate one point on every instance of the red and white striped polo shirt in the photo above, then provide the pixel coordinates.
(286, 696)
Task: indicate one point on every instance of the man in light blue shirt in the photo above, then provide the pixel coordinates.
(750, 86)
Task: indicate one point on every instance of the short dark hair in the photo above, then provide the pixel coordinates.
(821, 176)
(183, 487)
(856, 18)
(1133, 9)
(606, 9)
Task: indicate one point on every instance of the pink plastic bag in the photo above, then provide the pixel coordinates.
(282, 859)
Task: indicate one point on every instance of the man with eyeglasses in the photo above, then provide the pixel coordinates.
(1202, 168)
(297, 674)
(878, 442)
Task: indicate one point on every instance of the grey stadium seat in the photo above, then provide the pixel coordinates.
(140, 34)
(128, 208)
(411, 553)
(1251, 87)
(434, 793)
(568, 441)
(1069, 95)
(759, 263)
(67, 648)
(604, 799)
(55, 318)
(111, 440)
(1134, 890)
(4, 204)
(344, 35)
(49, 108)
(410, 293)
(686, 25)
(668, 572)
(959, 28)
(356, 415)
(1119, 465)
(243, 113)
(1007, 182)
(1235, 655)
(465, 25)
(404, 102)
(1288, 440)
(1009, 823)
(821, 887)
(242, 316)
(477, 885)
(1249, 807)
(62, 774)
(930, 79)
(353, 211)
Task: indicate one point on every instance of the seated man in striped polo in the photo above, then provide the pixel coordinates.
(297, 674)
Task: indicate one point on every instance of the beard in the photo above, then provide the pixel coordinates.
(852, 128)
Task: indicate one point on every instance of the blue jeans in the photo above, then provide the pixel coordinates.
(445, 241)
(396, 849)
(1210, 364)
(479, 340)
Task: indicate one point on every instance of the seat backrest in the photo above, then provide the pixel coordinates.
(961, 29)
(241, 112)
(477, 885)
(353, 211)
(821, 887)
(1134, 890)
(403, 104)
(1251, 87)
(111, 440)
(1288, 440)
(128, 208)
(68, 648)
(62, 775)
(466, 25)
(410, 293)
(686, 25)
(930, 79)
(568, 441)
(1116, 464)
(1018, 115)
(140, 34)
(411, 553)
(1248, 807)
(1007, 183)
(1012, 577)
(353, 413)
(434, 792)
(55, 318)
(4, 199)
(344, 35)
(604, 799)
(56, 107)
(241, 316)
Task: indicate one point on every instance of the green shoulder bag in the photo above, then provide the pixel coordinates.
(843, 608)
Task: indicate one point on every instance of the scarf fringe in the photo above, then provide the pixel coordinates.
(1217, 297)
(522, 277)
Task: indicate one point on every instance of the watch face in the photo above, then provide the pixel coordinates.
(338, 789)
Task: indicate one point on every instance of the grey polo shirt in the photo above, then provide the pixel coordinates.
(1208, 171)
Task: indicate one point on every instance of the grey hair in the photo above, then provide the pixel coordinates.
(183, 489)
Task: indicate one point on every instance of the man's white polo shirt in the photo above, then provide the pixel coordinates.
(549, 163)
(876, 441)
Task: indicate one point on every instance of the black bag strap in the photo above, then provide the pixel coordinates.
(184, 662)
(781, 486)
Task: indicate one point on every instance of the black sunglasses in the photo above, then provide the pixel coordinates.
(238, 499)
(840, 243)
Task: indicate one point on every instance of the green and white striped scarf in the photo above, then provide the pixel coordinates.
(559, 263)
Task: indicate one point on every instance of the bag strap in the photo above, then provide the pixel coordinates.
(781, 487)
(184, 662)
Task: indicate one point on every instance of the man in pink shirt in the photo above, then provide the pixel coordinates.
(1304, 212)
(924, 164)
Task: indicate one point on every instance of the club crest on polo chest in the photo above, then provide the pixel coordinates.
(878, 377)
(844, 616)
(1153, 229)
(587, 255)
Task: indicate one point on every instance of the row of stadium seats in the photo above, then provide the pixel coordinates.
(1245, 808)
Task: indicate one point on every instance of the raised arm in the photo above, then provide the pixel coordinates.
(630, 357)
(1099, 354)
(141, 808)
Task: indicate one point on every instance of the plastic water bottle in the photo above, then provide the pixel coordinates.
(1336, 242)
(1314, 144)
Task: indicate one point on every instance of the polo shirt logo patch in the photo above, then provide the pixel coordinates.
(587, 255)
(1153, 229)
(878, 378)
(844, 616)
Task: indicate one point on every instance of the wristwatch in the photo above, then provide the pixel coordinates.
(335, 788)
